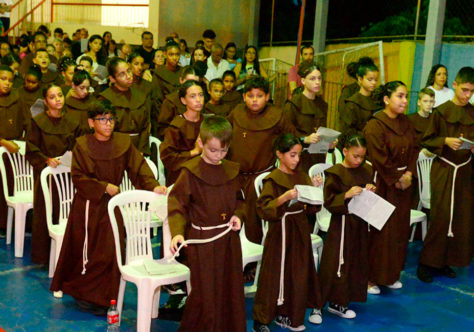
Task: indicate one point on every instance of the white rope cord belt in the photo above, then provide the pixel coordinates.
(281, 294)
(451, 210)
(201, 241)
(341, 246)
(85, 259)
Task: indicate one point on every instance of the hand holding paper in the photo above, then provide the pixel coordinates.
(372, 208)
(327, 137)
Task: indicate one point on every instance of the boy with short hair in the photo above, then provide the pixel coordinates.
(99, 161)
(204, 202)
(231, 96)
(86, 62)
(421, 119)
(215, 105)
(42, 60)
(256, 124)
(449, 241)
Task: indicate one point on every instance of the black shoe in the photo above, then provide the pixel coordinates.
(447, 272)
(259, 327)
(425, 273)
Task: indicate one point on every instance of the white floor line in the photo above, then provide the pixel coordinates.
(20, 269)
(442, 285)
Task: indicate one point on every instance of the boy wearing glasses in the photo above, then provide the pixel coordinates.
(87, 267)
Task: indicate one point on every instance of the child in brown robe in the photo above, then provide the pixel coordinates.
(172, 105)
(360, 106)
(215, 105)
(87, 266)
(49, 137)
(30, 92)
(205, 201)
(344, 272)
(166, 77)
(131, 105)
(15, 121)
(308, 111)
(67, 67)
(286, 296)
(181, 138)
(42, 60)
(421, 119)
(450, 237)
(231, 96)
(393, 151)
(78, 101)
(256, 124)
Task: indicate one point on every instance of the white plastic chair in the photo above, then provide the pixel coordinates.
(134, 208)
(126, 185)
(323, 217)
(65, 188)
(337, 155)
(161, 168)
(22, 199)
(423, 169)
(251, 252)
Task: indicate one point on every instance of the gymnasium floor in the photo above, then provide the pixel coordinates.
(446, 305)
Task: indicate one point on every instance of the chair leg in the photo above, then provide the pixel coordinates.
(424, 226)
(316, 259)
(52, 260)
(9, 224)
(413, 227)
(120, 297)
(144, 306)
(20, 215)
(156, 303)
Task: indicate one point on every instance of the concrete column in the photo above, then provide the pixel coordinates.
(253, 22)
(434, 33)
(154, 20)
(320, 24)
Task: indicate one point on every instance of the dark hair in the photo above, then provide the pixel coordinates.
(67, 40)
(36, 34)
(91, 39)
(284, 143)
(200, 42)
(40, 50)
(229, 45)
(88, 59)
(100, 107)
(43, 28)
(304, 47)
(426, 91)
(256, 64)
(229, 73)
(364, 67)
(48, 87)
(58, 30)
(215, 81)
(112, 65)
(133, 55)
(183, 89)
(431, 76)
(216, 127)
(465, 75)
(351, 138)
(257, 83)
(188, 70)
(194, 51)
(386, 90)
(208, 33)
(353, 67)
(169, 39)
(80, 76)
(5, 68)
(34, 70)
(172, 44)
(200, 68)
(9, 59)
(186, 49)
(146, 33)
(65, 63)
(306, 68)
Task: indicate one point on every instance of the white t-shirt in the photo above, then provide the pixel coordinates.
(442, 96)
(8, 3)
(216, 72)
